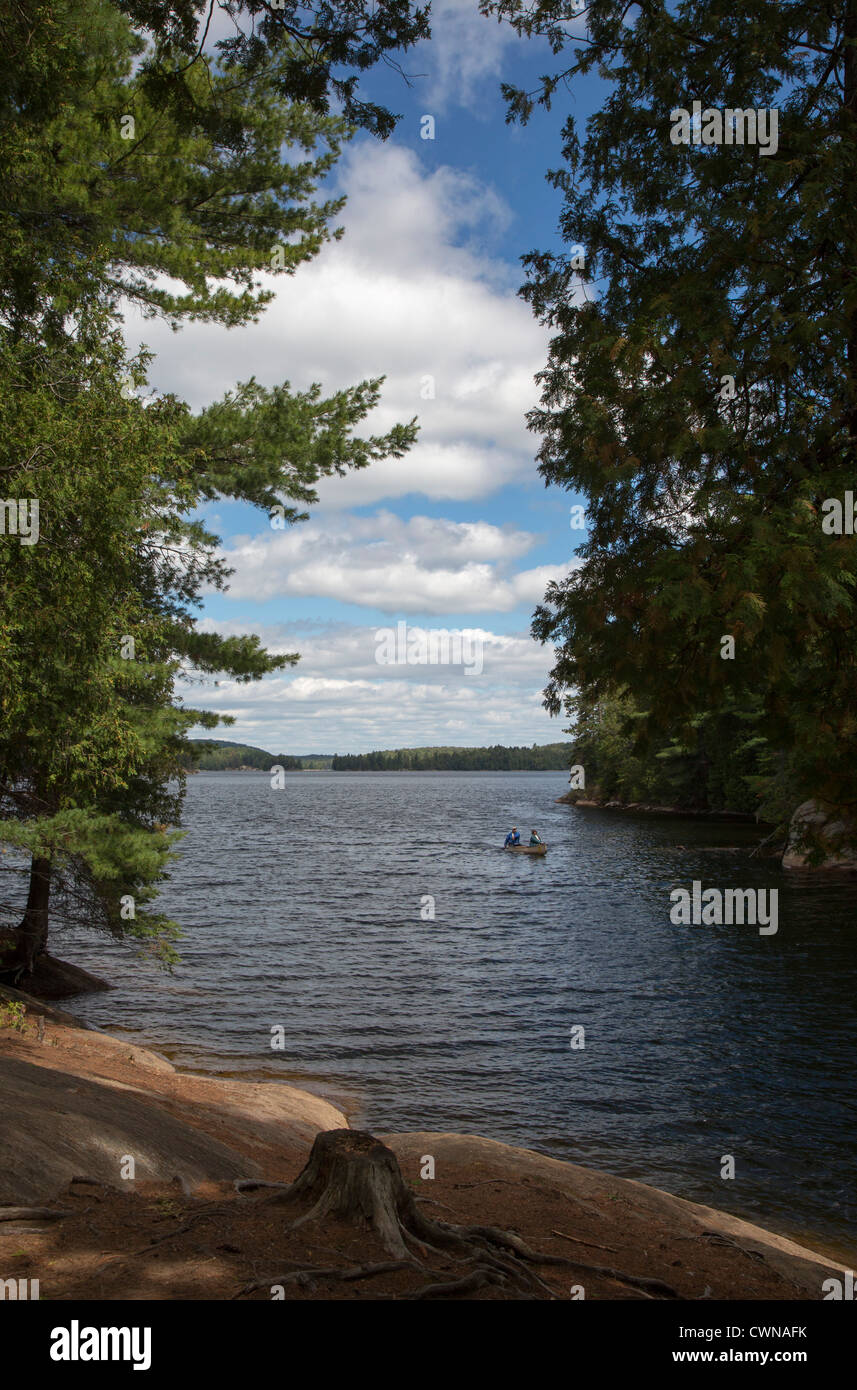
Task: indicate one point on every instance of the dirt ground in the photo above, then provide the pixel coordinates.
(157, 1243)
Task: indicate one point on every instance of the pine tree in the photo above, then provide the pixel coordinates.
(97, 616)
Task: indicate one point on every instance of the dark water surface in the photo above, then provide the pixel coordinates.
(302, 910)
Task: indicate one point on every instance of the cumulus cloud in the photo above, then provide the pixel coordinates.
(423, 565)
(414, 291)
(341, 699)
(411, 292)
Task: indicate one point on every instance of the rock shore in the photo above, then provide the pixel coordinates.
(76, 1103)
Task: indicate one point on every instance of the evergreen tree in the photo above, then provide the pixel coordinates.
(92, 739)
(97, 615)
(700, 390)
(321, 49)
(108, 188)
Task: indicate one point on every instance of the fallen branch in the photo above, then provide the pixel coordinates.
(32, 1214)
(486, 1182)
(252, 1184)
(776, 834)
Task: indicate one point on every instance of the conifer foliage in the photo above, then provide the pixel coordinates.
(701, 391)
(139, 165)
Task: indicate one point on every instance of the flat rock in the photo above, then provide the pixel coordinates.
(618, 1212)
(74, 1101)
(57, 1126)
(57, 979)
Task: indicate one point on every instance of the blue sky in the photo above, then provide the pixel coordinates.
(461, 534)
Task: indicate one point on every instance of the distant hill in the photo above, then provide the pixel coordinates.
(219, 755)
(544, 757)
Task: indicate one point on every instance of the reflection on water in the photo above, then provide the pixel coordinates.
(302, 910)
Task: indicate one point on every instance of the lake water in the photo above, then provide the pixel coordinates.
(302, 909)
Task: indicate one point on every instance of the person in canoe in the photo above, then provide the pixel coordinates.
(513, 838)
(535, 838)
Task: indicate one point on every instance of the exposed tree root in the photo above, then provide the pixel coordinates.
(352, 1176)
(453, 1288)
(491, 1233)
(310, 1273)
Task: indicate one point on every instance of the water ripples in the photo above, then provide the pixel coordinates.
(302, 911)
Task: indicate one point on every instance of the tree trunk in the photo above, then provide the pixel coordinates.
(353, 1176)
(849, 97)
(33, 929)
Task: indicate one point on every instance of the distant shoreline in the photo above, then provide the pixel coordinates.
(645, 808)
(387, 771)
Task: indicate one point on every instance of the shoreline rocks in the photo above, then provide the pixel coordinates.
(821, 838)
(76, 1101)
(57, 979)
(650, 809)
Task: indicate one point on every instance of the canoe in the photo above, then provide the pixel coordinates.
(526, 849)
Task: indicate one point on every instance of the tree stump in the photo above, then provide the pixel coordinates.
(351, 1175)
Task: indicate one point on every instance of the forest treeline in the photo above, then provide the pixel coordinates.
(725, 765)
(547, 757)
(220, 755)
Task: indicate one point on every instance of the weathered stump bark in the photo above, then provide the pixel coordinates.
(353, 1176)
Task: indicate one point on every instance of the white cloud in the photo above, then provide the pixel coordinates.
(466, 51)
(424, 565)
(412, 291)
(339, 699)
